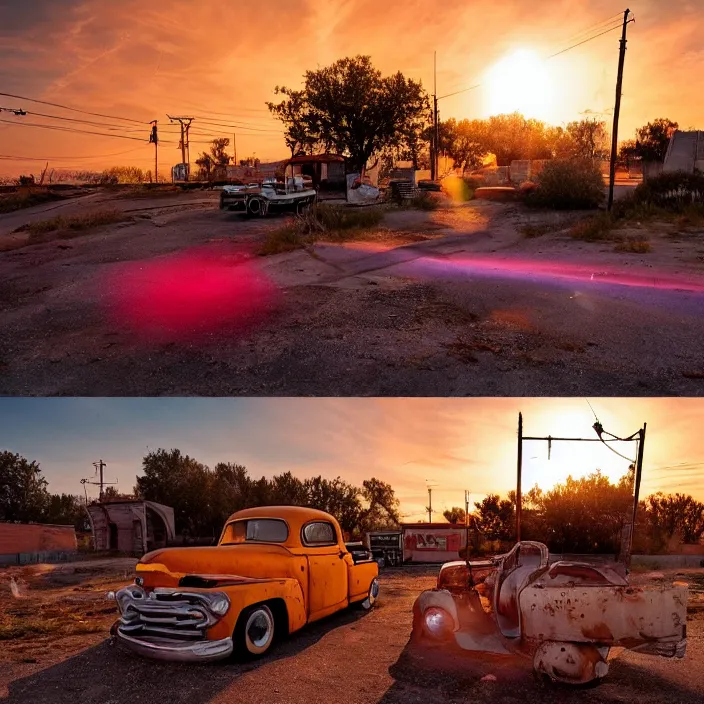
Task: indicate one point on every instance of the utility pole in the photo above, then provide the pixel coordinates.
(99, 467)
(185, 123)
(617, 109)
(429, 508)
(466, 523)
(154, 139)
(519, 470)
(433, 133)
(234, 148)
(636, 491)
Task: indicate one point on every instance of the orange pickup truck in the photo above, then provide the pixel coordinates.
(275, 569)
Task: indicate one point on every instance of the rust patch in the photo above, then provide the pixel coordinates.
(582, 572)
(598, 632)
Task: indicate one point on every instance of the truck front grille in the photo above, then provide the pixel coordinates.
(165, 613)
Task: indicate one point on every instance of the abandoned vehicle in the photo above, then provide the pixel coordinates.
(571, 618)
(296, 193)
(275, 569)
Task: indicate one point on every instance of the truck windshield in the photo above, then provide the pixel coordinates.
(255, 530)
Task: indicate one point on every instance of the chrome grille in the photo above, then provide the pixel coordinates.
(168, 613)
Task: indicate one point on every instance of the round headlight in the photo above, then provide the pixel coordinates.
(438, 622)
(220, 604)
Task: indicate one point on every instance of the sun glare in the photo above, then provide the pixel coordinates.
(521, 82)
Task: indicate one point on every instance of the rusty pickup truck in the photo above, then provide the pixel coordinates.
(571, 618)
(274, 570)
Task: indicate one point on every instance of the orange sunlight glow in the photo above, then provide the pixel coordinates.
(520, 81)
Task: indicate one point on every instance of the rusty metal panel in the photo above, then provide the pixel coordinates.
(604, 614)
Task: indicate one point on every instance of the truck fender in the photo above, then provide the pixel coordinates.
(244, 595)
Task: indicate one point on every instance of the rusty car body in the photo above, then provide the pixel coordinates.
(274, 570)
(571, 618)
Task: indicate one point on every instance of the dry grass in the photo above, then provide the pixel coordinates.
(635, 244)
(425, 201)
(594, 229)
(324, 222)
(26, 199)
(62, 227)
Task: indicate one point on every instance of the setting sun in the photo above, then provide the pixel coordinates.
(521, 82)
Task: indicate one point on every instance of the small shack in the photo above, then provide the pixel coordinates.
(433, 542)
(327, 171)
(131, 526)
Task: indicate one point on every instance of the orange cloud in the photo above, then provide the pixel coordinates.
(143, 61)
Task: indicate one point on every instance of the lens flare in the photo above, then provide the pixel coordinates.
(189, 295)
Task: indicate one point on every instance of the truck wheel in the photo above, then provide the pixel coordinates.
(302, 207)
(369, 602)
(256, 207)
(254, 632)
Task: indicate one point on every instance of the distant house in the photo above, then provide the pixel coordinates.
(685, 152)
(131, 526)
(327, 171)
(432, 542)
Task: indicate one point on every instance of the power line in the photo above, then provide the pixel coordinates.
(211, 123)
(234, 120)
(611, 29)
(593, 27)
(551, 56)
(232, 112)
(72, 130)
(68, 107)
(77, 120)
(70, 158)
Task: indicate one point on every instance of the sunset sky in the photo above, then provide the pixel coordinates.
(221, 61)
(454, 444)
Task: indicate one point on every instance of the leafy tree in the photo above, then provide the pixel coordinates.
(627, 151)
(454, 515)
(66, 509)
(292, 112)
(350, 108)
(203, 499)
(675, 516)
(217, 156)
(654, 138)
(465, 142)
(383, 506)
(589, 137)
(586, 515)
(217, 151)
(511, 137)
(494, 517)
(180, 481)
(23, 493)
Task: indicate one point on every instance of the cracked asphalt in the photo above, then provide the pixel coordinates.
(467, 307)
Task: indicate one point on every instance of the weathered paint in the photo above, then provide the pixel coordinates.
(571, 663)
(311, 581)
(568, 616)
(614, 615)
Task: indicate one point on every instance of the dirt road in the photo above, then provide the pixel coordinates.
(351, 658)
(176, 303)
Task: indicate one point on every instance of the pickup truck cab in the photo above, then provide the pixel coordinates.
(275, 569)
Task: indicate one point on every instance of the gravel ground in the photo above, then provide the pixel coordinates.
(472, 308)
(351, 657)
